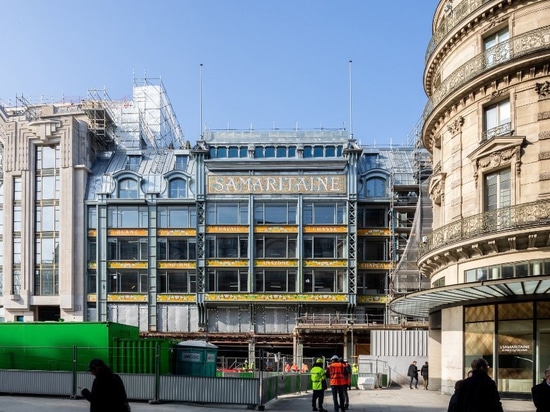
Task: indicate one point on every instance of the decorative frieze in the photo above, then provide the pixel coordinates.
(543, 116)
(544, 135)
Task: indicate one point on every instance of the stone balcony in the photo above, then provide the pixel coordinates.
(507, 229)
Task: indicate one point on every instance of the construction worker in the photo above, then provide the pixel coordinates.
(347, 374)
(336, 373)
(318, 384)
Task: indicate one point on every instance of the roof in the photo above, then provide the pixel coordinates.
(422, 303)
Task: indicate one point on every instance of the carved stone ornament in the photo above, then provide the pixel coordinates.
(456, 126)
(436, 188)
(497, 152)
(543, 90)
(496, 159)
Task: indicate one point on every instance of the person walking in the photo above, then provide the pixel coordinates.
(424, 373)
(479, 392)
(335, 372)
(541, 393)
(412, 373)
(318, 384)
(108, 393)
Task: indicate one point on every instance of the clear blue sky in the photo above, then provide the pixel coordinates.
(266, 63)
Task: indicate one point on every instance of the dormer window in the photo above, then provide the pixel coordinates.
(181, 162)
(132, 162)
(127, 189)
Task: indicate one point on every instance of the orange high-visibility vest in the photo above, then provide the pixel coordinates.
(336, 373)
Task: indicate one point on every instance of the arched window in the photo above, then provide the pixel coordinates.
(376, 187)
(177, 188)
(127, 189)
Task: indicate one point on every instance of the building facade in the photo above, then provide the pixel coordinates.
(280, 239)
(487, 125)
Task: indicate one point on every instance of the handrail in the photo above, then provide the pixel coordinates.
(500, 220)
(450, 21)
(508, 50)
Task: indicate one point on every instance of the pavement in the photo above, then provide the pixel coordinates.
(378, 400)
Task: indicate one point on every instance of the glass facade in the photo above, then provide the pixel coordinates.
(513, 337)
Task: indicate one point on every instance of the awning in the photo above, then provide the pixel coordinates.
(420, 304)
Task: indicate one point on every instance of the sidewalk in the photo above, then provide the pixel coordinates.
(380, 400)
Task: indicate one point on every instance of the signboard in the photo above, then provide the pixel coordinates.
(280, 184)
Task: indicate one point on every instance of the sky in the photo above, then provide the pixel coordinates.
(265, 63)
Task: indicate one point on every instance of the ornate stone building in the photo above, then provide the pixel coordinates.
(283, 239)
(487, 126)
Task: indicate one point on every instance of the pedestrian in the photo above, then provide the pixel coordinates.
(335, 372)
(412, 373)
(454, 398)
(541, 393)
(108, 393)
(424, 373)
(347, 374)
(319, 385)
(479, 393)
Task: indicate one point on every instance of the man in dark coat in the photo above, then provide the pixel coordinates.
(413, 374)
(479, 393)
(541, 393)
(108, 393)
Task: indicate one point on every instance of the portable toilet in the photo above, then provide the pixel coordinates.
(195, 358)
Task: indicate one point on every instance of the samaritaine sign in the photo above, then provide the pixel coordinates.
(280, 184)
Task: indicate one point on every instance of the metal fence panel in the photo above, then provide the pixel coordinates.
(36, 382)
(242, 391)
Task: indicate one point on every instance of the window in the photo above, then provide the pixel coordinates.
(371, 283)
(92, 217)
(127, 248)
(132, 162)
(227, 246)
(48, 157)
(127, 281)
(92, 249)
(127, 217)
(275, 281)
(92, 282)
(227, 213)
(368, 217)
(474, 275)
(275, 213)
(497, 120)
(177, 188)
(276, 246)
(177, 281)
(46, 281)
(227, 280)
(376, 187)
(372, 249)
(181, 162)
(324, 213)
(176, 248)
(127, 189)
(323, 247)
(323, 281)
(177, 216)
(497, 48)
(497, 190)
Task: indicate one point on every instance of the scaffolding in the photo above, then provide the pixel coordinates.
(410, 215)
(99, 108)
